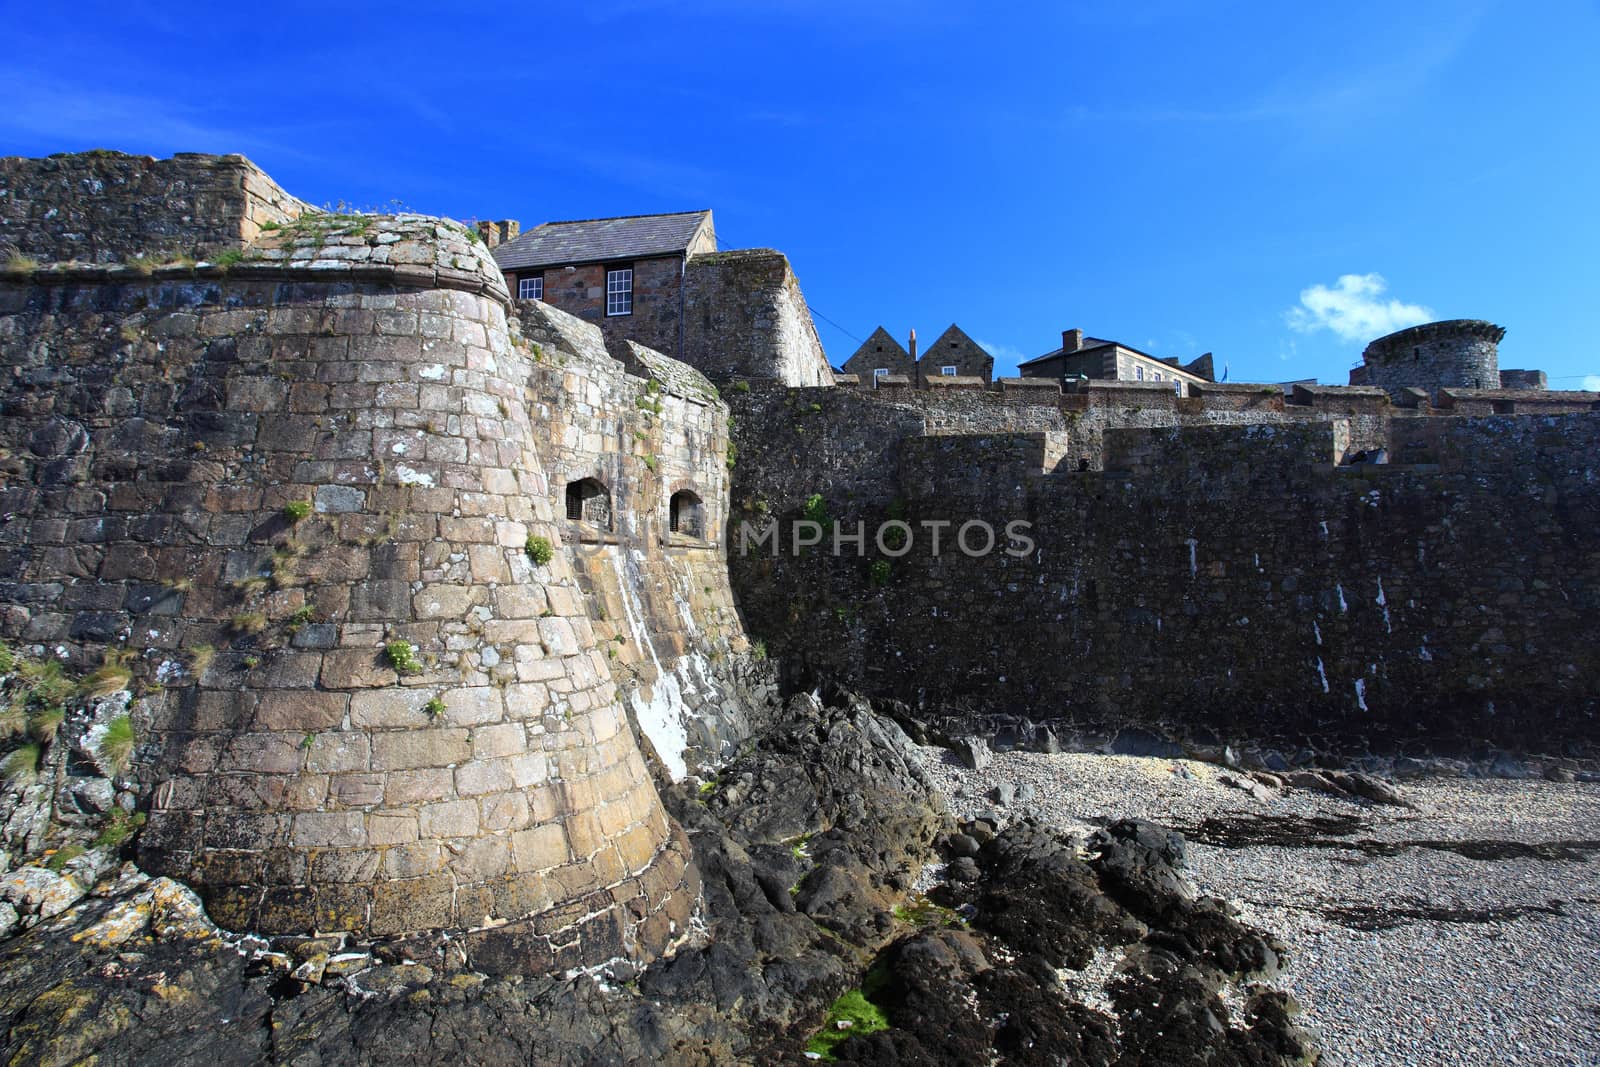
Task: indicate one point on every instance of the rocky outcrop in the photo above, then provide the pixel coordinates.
(810, 844)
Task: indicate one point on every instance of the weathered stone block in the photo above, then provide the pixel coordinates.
(449, 818)
(331, 753)
(359, 790)
(474, 706)
(432, 747)
(411, 904)
(356, 668)
(540, 848)
(384, 708)
(484, 776)
(329, 829)
(392, 828)
(306, 711)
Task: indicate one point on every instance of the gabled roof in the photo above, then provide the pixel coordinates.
(1089, 345)
(558, 244)
(954, 335)
(879, 347)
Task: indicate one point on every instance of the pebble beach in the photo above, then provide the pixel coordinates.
(1461, 929)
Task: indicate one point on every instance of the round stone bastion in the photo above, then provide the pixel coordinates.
(1454, 354)
(296, 491)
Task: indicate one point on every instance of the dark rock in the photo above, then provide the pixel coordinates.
(973, 752)
(962, 845)
(1557, 773)
(1134, 742)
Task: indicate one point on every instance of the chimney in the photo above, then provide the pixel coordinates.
(913, 346)
(1071, 340)
(498, 233)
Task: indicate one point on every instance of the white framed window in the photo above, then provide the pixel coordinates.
(948, 372)
(619, 291)
(531, 288)
(1158, 375)
(1138, 374)
(1177, 386)
(877, 374)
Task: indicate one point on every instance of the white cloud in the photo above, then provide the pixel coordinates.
(1354, 309)
(1591, 383)
(1003, 354)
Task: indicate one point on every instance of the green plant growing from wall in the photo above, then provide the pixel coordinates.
(733, 454)
(62, 856)
(878, 573)
(247, 623)
(45, 722)
(111, 676)
(540, 550)
(651, 461)
(815, 509)
(297, 510)
(434, 709)
(302, 615)
(21, 766)
(114, 747)
(741, 386)
(200, 659)
(402, 656)
(119, 828)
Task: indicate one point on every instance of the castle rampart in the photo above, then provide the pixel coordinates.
(1241, 580)
(300, 483)
(745, 317)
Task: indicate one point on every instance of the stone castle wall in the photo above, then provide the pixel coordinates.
(157, 427)
(745, 317)
(107, 207)
(1229, 579)
(659, 601)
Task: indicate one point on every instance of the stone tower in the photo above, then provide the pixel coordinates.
(284, 462)
(1455, 354)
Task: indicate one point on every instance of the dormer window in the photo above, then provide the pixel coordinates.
(947, 371)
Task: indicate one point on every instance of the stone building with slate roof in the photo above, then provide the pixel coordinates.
(881, 356)
(955, 355)
(626, 275)
(1096, 359)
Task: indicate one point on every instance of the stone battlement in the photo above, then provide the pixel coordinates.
(109, 207)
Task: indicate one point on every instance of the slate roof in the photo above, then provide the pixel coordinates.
(1089, 344)
(558, 244)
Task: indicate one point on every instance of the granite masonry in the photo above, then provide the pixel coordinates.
(297, 482)
(1260, 579)
(423, 589)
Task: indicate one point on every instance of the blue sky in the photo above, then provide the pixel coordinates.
(1274, 183)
